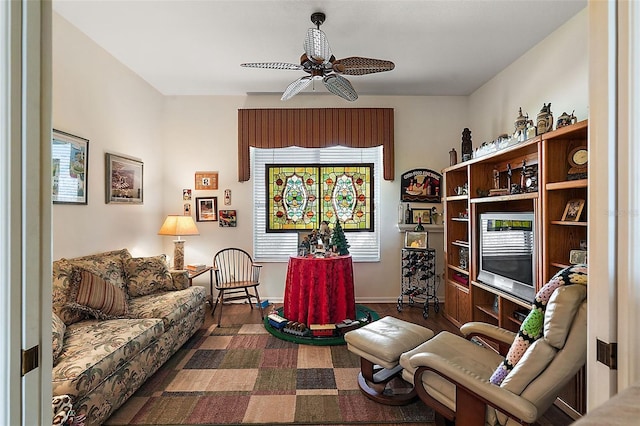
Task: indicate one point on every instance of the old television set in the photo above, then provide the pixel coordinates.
(507, 253)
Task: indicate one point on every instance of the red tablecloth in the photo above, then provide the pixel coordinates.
(319, 290)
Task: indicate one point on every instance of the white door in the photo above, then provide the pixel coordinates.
(25, 230)
(614, 195)
(628, 212)
(602, 238)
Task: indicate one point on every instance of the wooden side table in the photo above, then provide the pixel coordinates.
(193, 275)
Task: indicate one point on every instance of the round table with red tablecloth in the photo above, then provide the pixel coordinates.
(319, 290)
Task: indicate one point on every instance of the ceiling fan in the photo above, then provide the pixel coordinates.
(318, 61)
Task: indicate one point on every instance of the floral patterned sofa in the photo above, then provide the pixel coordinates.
(116, 320)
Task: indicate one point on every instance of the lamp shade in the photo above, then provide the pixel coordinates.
(178, 225)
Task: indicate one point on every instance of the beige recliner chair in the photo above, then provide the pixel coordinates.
(451, 374)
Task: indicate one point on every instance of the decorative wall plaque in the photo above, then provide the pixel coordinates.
(206, 180)
(420, 185)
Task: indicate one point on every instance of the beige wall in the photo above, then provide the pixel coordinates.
(97, 98)
(555, 70)
(201, 134)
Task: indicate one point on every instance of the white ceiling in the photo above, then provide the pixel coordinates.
(195, 47)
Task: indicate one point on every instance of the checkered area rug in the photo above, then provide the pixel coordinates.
(244, 375)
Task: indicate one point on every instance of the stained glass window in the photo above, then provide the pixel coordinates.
(299, 197)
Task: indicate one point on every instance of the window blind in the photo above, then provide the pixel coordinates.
(277, 247)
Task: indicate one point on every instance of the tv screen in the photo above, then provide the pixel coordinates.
(507, 252)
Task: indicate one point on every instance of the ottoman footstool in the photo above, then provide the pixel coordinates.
(379, 346)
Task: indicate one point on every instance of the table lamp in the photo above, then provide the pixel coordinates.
(178, 225)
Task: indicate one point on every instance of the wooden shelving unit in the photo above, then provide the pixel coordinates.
(560, 237)
(469, 299)
(456, 229)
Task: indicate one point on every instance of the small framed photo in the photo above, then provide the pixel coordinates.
(207, 209)
(227, 218)
(416, 240)
(573, 210)
(69, 168)
(423, 214)
(206, 180)
(124, 177)
(186, 194)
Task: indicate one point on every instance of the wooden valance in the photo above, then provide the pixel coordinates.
(315, 128)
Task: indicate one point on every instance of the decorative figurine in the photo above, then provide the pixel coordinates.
(435, 215)
(453, 157)
(496, 190)
(324, 232)
(509, 174)
(467, 148)
(544, 120)
(566, 119)
(496, 179)
(521, 124)
(305, 247)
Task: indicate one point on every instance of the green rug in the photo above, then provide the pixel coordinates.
(362, 314)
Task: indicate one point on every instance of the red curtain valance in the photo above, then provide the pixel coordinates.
(315, 128)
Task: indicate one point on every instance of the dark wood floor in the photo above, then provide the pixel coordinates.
(242, 314)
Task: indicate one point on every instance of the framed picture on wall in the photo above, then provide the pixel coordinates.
(206, 180)
(207, 209)
(227, 218)
(424, 215)
(124, 180)
(69, 168)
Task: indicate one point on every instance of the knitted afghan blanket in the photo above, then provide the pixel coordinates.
(532, 326)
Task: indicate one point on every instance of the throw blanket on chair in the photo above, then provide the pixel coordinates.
(63, 414)
(531, 328)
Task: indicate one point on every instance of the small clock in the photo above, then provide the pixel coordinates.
(578, 157)
(578, 160)
(530, 178)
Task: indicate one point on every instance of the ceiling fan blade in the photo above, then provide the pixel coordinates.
(316, 46)
(273, 65)
(340, 86)
(296, 87)
(356, 65)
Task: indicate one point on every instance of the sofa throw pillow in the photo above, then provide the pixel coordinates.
(532, 326)
(62, 273)
(180, 280)
(108, 265)
(57, 328)
(147, 275)
(96, 297)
